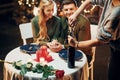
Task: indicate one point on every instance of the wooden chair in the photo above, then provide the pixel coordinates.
(26, 31)
(91, 64)
(93, 29)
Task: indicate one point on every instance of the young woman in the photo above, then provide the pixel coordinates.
(46, 27)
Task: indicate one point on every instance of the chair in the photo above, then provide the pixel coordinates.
(93, 29)
(91, 64)
(25, 31)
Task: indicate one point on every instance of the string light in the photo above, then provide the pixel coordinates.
(29, 3)
(90, 10)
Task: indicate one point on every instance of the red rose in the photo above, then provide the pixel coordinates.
(59, 73)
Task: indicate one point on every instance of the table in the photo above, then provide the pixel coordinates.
(10, 73)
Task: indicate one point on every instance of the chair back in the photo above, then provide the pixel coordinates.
(26, 31)
(91, 64)
(93, 31)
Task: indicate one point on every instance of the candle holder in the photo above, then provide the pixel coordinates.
(43, 56)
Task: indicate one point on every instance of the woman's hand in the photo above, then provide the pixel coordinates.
(72, 20)
(55, 46)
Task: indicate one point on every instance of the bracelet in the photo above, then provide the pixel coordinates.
(77, 45)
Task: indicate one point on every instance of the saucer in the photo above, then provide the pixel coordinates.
(64, 55)
(29, 48)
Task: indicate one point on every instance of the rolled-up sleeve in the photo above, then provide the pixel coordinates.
(105, 34)
(110, 28)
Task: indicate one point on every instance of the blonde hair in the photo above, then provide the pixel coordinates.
(43, 29)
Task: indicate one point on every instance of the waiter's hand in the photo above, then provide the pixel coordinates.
(72, 20)
(72, 42)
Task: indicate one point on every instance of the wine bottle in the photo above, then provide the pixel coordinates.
(71, 57)
(71, 54)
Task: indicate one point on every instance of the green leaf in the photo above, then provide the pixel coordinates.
(29, 66)
(48, 68)
(17, 64)
(34, 69)
(39, 70)
(48, 71)
(23, 70)
(45, 75)
(38, 66)
(51, 73)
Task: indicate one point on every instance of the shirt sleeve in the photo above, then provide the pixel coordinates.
(98, 2)
(105, 33)
(35, 28)
(110, 29)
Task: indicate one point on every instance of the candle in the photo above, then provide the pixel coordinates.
(44, 51)
(44, 63)
(41, 59)
(37, 56)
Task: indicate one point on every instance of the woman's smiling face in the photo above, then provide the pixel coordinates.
(48, 11)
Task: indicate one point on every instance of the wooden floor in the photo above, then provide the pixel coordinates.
(10, 39)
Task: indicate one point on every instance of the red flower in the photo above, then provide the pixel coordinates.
(59, 73)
